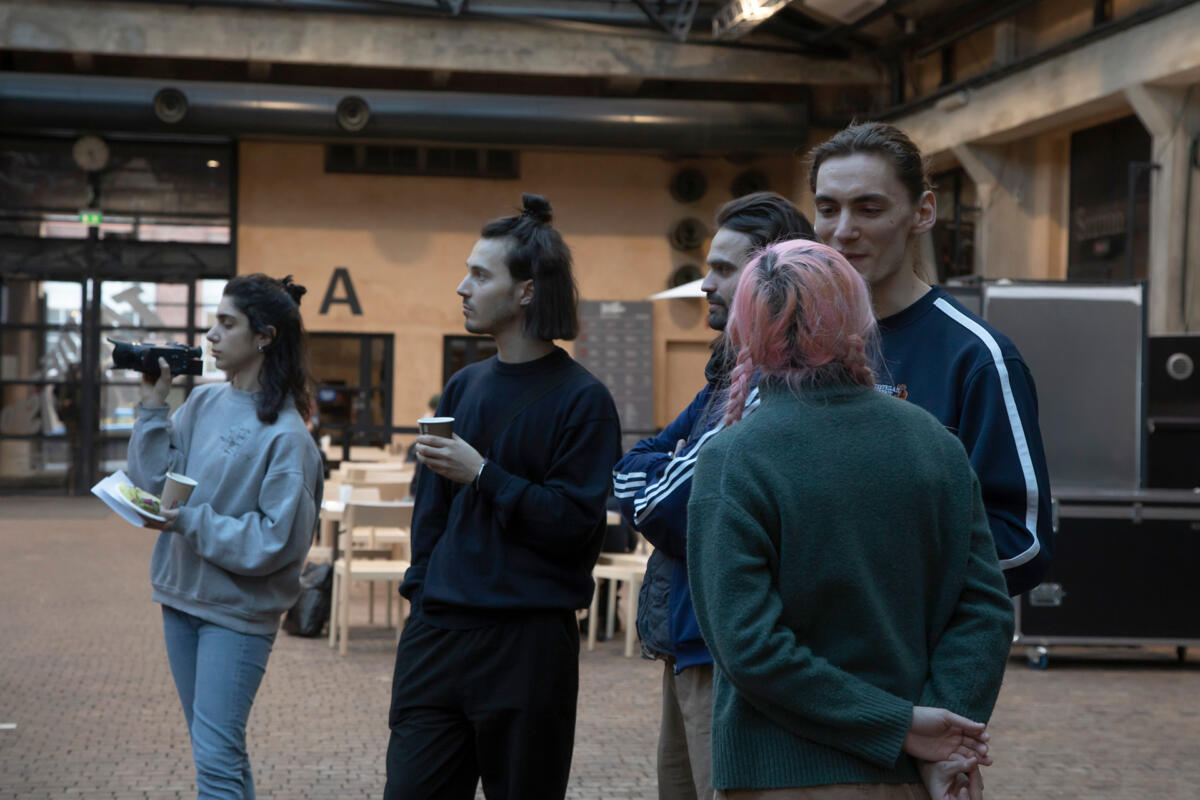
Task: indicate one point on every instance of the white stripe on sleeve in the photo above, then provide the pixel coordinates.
(679, 471)
(1018, 431)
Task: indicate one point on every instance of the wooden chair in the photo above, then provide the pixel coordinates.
(390, 541)
(393, 536)
(388, 492)
(353, 565)
(397, 481)
(627, 568)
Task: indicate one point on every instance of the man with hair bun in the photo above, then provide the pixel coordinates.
(508, 522)
(653, 483)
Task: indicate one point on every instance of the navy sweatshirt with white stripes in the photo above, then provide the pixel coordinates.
(954, 365)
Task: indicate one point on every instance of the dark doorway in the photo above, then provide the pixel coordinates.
(353, 373)
(954, 231)
(1108, 162)
(459, 351)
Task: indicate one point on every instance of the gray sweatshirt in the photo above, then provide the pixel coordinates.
(234, 555)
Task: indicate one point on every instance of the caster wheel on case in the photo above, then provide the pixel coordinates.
(1037, 658)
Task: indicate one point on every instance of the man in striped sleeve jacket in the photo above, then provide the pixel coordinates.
(653, 482)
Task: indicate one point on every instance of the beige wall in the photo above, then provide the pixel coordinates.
(405, 239)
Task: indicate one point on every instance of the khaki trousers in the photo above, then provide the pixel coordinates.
(838, 791)
(685, 738)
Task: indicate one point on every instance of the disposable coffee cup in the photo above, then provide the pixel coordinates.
(437, 426)
(176, 491)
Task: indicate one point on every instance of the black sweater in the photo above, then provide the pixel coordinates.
(526, 540)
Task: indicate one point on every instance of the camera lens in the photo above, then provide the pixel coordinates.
(126, 355)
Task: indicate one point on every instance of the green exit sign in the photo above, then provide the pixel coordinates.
(90, 217)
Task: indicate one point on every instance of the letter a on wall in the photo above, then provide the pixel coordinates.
(342, 275)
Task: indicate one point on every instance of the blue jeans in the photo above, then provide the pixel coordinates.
(217, 672)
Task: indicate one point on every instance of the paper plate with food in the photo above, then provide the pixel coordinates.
(146, 504)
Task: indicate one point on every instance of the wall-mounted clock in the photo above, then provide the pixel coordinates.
(90, 153)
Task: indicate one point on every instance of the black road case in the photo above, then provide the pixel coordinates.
(1124, 573)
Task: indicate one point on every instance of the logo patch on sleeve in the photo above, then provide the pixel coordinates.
(900, 390)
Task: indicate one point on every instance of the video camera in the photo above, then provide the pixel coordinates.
(143, 357)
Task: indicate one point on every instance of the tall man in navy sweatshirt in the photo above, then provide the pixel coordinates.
(873, 203)
(653, 482)
(506, 528)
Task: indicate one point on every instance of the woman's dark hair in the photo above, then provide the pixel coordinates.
(269, 303)
(765, 218)
(537, 251)
(880, 139)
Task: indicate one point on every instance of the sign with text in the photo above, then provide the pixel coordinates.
(616, 344)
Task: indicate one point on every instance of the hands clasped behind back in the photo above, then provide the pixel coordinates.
(951, 749)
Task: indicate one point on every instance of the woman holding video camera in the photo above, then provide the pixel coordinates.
(227, 563)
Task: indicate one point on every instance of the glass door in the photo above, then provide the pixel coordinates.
(65, 412)
(353, 373)
(41, 343)
(146, 312)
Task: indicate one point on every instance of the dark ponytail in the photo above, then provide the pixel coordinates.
(269, 303)
(538, 252)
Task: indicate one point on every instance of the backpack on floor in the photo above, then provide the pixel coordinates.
(307, 617)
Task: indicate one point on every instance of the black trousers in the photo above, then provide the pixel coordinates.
(496, 703)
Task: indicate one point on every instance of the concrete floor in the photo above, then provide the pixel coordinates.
(84, 677)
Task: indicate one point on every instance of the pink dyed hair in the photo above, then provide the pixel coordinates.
(802, 314)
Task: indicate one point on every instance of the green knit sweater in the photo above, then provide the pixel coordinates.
(842, 570)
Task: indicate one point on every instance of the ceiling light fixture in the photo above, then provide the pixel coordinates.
(738, 17)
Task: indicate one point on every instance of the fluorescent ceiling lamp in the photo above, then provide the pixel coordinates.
(844, 11)
(738, 17)
(687, 290)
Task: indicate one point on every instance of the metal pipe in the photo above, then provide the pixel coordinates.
(1192, 166)
(42, 102)
(1135, 170)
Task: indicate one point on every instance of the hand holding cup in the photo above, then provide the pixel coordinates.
(445, 453)
(176, 491)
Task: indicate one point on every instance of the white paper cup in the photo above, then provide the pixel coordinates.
(176, 490)
(437, 426)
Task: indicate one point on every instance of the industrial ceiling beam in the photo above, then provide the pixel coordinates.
(337, 41)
